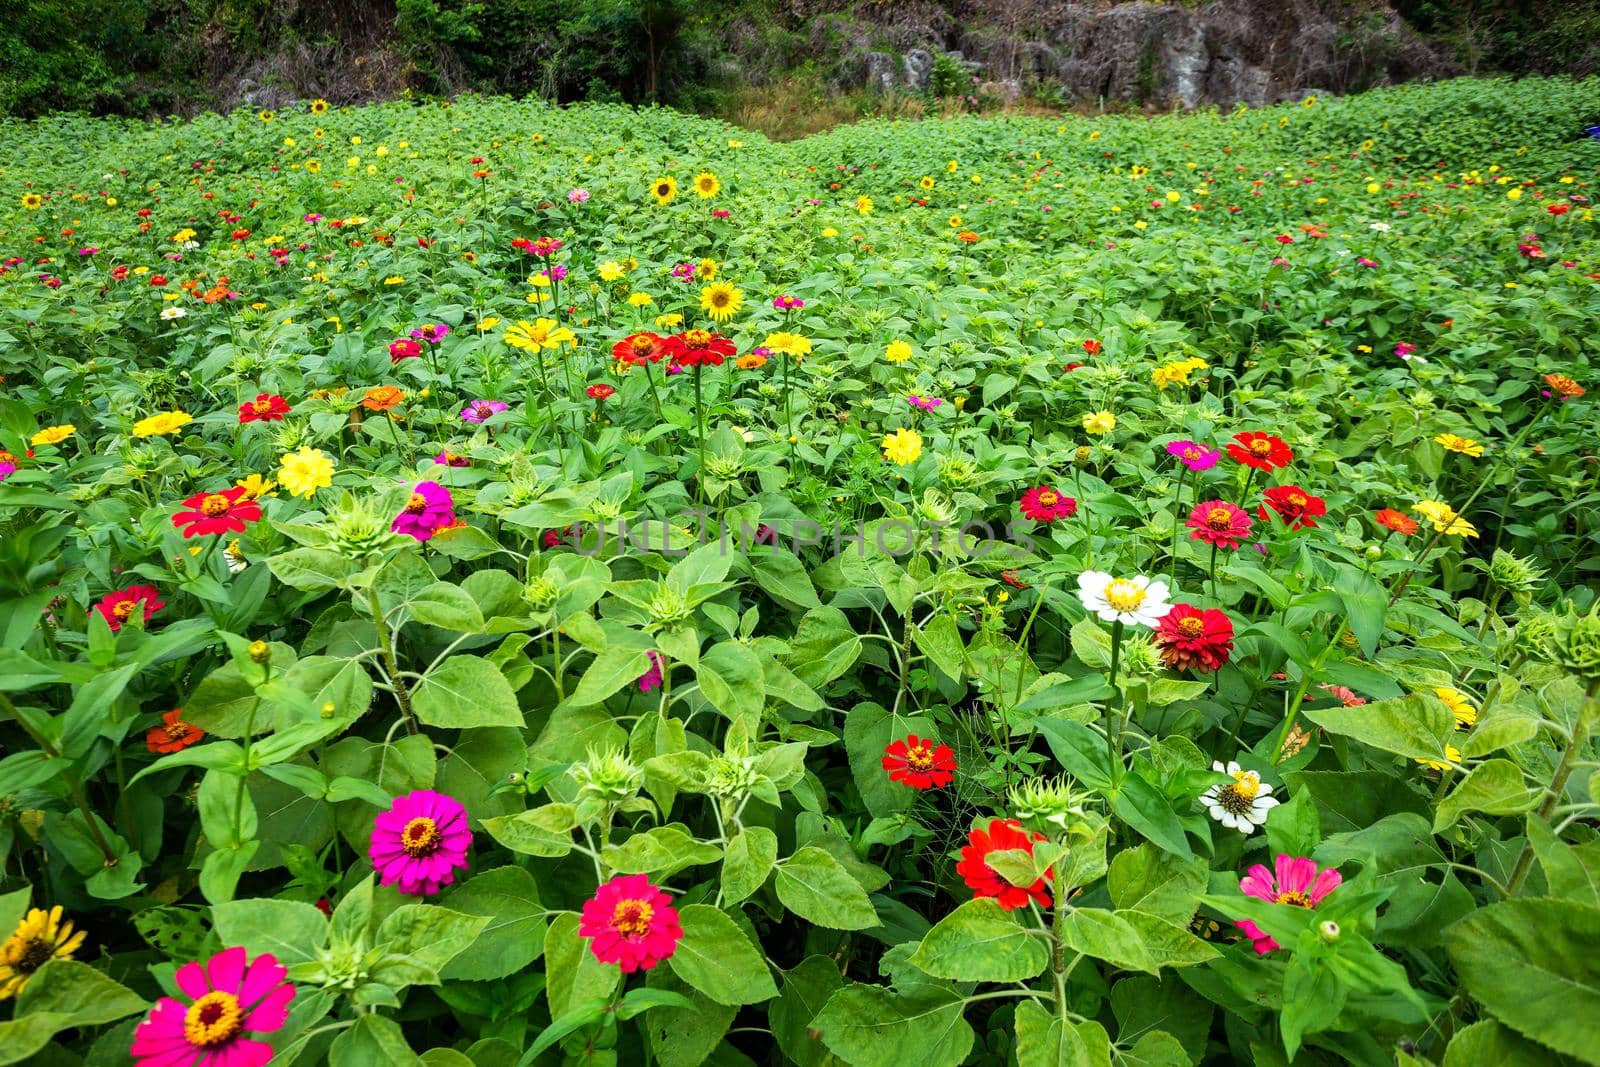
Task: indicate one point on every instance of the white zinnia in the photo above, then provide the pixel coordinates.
(1243, 803)
(173, 313)
(1136, 600)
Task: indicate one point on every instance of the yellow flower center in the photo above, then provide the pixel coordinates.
(1246, 783)
(1260, 448)
(418, 503)
(420, 837)
(123, 609)
(1219, 519)
(262, 406)
(176, 731)
(1298, 499)
(696, 338)
(1192, 626)
(920, 758)
(213, 1020)
(632, 918)
(1299, 900)
(1123, 595)
(1049, 498)
(214, 505)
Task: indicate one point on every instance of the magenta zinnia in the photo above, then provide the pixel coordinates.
(230, 995)
(1043, 504)
(429, 510)
(1296, 881)
(631, 923)
(419, 842)
(1219, 523)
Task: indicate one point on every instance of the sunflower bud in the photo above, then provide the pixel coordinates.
(359, 530)
(1082, 456)
(607, 775)
(730, 777)
(1516, 576)
(1049, 805)
(1574, 644)
(541, 592)
(1140, 657)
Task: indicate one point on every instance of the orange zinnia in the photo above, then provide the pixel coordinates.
(383, 398)
(173, 735)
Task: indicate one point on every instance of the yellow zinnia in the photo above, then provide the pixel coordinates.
(611, 271)
(1099, 422)
(902, 447)
(159, 425)
(1460, 705)
(305, 471)
(534, 336)
(53, 435)
(255, 487)
(1465, 445)
(40, 937)
(897, 352)
(1444, 518)
(791, 344)
(721, 301)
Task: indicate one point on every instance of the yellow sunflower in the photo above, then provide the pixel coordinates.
(32, 201)
(319, 106)
(664, 189)
(721, 301)
(706, 185)
(40, 937)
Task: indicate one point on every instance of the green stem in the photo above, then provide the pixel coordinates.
(1558, 784)
(402, 694)
(74, 787)
(1114, 705)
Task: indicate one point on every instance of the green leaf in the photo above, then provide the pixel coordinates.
(1487, 1042)
(508, 898)
(1535, 966)
(1104, 935)
(783, 577)
(1148, 1005)
(681, 1036)
(979, 942)
(751, 855)
(21, 1038)
(1156, 1048)
(806, 990)
(544, 831)
(292, 931)
(573, 974)
(429, 935)
(665, 849)
(1571, 871)
(466, 691)
(731, 679)
(86, 996)
(1046, 1040)
(716, 958)
(869, 1026)
(1146, 809)
(1150, 880)
(1414, 726)
(448, 607)
(311, 569)
(940, 640)
(1313, 996)
(612, 669)
(374, 1041)
(813, 885)
(1495, 787)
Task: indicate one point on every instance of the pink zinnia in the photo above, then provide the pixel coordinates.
(577, 196)
(787, 303)
(1043, 504)
(231, 995)
(651, 679)
(432, 333)
(1195, 456)
(631, 923)
(419, 841)
(404, 348)
(1405, 349)
(1297, 881)
(482, 410)
(429, 510)
(1219, 523)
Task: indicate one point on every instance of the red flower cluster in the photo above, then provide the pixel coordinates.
(1260, 450)
(694, 348)
(211, 513)
(117, 608)
(267, 407)
(641, 348)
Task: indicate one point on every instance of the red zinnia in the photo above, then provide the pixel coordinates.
(600, 392)
(1002, 835)
(640, 348)
(1397, 521)
(1294, 505)
(266, 407)
(919, 762)
(1191, 638)
(117, 608)
(1092, 346)
(222, 512)
(702, 347)
(173, 735)
(404, 348)
(1260, 450)
(1043, 504)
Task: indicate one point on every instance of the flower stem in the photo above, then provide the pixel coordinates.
(1558, 784)
(402, 694)
(1114, 706)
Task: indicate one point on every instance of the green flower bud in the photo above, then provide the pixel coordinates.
(936, 507)
(1082, 456)
(607, 775)
(1328, 930)
(541, 592)
(1374, 553)
(1512, 574)
(1049, 805)
(359, 529)
(730, 777)
(1574, 644)
(668, 606)
(1140, 658)
(957, 471)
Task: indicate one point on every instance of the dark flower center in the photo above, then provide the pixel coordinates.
(1299, 900)
(1219, 519)
(214, 1019)
(418, 503)
(35, 954)
(920, 758)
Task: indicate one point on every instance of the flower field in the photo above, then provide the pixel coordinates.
(489, 584)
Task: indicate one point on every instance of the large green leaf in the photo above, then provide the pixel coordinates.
(751, 855)
(79, 991)
(1495, 787)
(813, 885)
(288, 929)
(869, 1026)
(1416, 726)
(1045, 1040)
(806, 989)
(716, 958)
(508, 898)
(730, 676)
(466, 691)
(979, 942)
(1151, 880)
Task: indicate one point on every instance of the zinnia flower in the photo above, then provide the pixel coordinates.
(227, 511)
(1445, 519)
(1137, 600)
(383, 398)
(1195, 456)
(651, 679)
(1242, 804)
(1099, 422)
(1219, 523)
(600, 391)
(538, 335)
(159, 425)
(639, 349)
(1191, 638)
(693, 348)
(266, 407)
(482, 410)
(1001, 835)
(1297, 881)
(1260, 450)
(230, 996)
(1465, 445)
(173, 735)
(53, 435)
(419, 842)
(902, 446)
(1043, 504)
(404, 348)
(897, 352)
(920, 763)
(1563, 386)
(432, 333)
(1460, 705)
(305, 471)
(117, 608)
(1397, 521)
(429, 510)
(631, 923)
(40, 937)
(1294, 505)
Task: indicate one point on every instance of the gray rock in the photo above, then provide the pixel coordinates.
(918, 69)
(882, 72)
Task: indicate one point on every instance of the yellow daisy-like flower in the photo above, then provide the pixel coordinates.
(40, 937)
(256, 486)
(902, 447)
(489, 323)
(1465, 445)
(1173, 196)
(319, 106)
(706, 270)
(313, 166)
(1460, 705)
(611, 271)
(1099, 422)
(721, 301)
(864, 204)
(394, 279)
(668, 321)
(32, 201)
(955, 222)
(829, 231)
(1373, 187)
(706, 185)
(640, 300)
(305, 471)
(1137, 171)
(266, 116)
(925, 182)
(53, 435)
(897, 352)
(1444, 518)
(1452, 755)
(535, 336)
(791, 344)
(664, 189)
(1514, 194)
(952, 166)
(161, 424)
